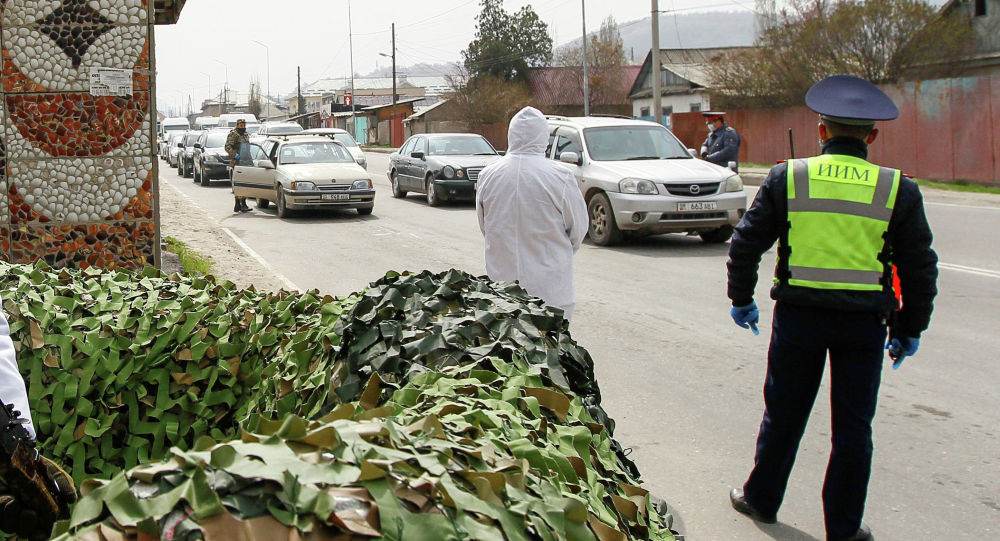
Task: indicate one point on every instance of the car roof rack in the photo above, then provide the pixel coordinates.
(608, 115)
(556, 117)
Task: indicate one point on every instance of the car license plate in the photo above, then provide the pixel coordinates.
(697, 205)
(336, 196)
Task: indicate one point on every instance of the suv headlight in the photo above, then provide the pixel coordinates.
(213, 158)
(637, 186)
(448, 171)
(303, 185)
(363, 184)
(734, 184)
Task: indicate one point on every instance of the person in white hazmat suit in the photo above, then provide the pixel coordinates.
(12, 390)
(532, 215)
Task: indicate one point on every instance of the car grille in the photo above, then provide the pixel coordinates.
(704, 188)
(473, 172)
(671, 216)
(333, 187)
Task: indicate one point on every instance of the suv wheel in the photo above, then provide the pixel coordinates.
(205, 181)
(603, 228)
(432, 196)
(397, 192)
(717, 236)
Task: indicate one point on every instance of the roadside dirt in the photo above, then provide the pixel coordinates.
(185, 222)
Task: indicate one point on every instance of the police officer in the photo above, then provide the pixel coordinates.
(233, 141)
(842, 224)
(723, 143)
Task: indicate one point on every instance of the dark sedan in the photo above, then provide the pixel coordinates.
(210, 159)
(443, 166)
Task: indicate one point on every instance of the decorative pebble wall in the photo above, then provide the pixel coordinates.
(77, 170)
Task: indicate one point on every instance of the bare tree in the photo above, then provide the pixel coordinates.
(883, 41)
(606, 58)
(254, 103)
(486, 99)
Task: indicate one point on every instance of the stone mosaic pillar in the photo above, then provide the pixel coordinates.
(78, 168)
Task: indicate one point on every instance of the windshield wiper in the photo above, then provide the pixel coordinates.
(679, 158)
(644, 158)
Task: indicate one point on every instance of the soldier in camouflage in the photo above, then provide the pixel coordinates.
(233, 141)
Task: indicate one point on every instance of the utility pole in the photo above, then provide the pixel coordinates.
(654, 71)
(350, 43)
(301, 101)
(586, 82)
(393, 120)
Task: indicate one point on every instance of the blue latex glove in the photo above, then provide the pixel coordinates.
(236, 157)
(746, 316)
(901, 348)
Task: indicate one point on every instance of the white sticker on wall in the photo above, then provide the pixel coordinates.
(110, 81)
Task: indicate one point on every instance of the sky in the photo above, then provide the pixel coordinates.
(216, 36)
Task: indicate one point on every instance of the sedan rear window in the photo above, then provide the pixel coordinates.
(620, 143)
(319, 152)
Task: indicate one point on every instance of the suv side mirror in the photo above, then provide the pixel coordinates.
(180, 145)
(264, 164)
(197, 145)
(502, 152)
(570, 157)
(731, 165)
(693, 153)
(417, 154)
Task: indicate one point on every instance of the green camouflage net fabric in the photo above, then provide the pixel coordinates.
(430, 406)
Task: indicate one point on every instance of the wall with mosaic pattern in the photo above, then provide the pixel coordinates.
(78, 170)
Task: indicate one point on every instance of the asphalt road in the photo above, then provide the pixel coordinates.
(684, 383)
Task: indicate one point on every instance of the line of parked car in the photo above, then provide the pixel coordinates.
(636, 176)
(282, 163)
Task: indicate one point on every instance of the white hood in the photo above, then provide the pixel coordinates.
(528, 132)
(680, 170)
(344, 173)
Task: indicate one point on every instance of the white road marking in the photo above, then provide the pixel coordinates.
(250, 251)
(970, 270)
(977, 207)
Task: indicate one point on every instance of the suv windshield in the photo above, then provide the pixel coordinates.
(457, 146)
(191, 139)
(619, 143)
(215, 140)
(319, 152)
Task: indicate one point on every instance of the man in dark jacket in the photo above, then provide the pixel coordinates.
(842, 226)
(723, 143)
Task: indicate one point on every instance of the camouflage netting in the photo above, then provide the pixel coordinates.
(428, 407)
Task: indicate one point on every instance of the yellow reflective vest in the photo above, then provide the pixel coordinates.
(838, 213)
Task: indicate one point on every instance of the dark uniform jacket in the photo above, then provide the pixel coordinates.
(722, 146)
(908, 242)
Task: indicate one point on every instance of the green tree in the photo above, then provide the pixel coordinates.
(507, 44)
(605, 60)
(884, 41)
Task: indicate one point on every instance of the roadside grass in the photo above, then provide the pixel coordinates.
(191, 260)
(959, 185)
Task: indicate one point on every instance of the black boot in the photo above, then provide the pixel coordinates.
(237, 207)
(243, 205)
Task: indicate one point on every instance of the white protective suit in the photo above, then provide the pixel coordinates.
(12, 389)
(532, 214)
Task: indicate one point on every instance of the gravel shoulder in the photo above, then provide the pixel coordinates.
(182, 219)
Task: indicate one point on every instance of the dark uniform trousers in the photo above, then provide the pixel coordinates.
(801, 337)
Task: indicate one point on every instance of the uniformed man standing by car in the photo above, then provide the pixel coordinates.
(237, 136)
(842, 224)
(723, 143)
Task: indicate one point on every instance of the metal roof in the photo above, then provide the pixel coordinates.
(398, 102)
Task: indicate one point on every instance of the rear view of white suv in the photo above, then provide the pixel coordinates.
(637, 177)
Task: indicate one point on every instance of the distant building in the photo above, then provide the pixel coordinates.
(984, 16)
(684, 81)
(559, 90)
